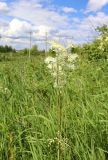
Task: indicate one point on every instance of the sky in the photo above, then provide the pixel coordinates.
(75, 18)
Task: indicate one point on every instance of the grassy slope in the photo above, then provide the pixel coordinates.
(28, 112)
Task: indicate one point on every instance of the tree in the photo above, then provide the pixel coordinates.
(98, 49)
(102, 30)
(34, 50)
(6, 49)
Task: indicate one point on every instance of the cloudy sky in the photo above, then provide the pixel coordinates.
(74, 18)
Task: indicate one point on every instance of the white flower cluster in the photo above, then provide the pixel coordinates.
(63, 60)
(103, 40)
(63, 142)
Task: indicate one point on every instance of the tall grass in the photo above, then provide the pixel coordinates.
(29, 109)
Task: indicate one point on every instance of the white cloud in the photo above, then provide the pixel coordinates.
(86, 28)
(18, 27)
(83, 30)
(33, 15)
(95, 5)
(21, 28)
(69, 10)
(34, 12)
(43, 29)
(75, 19)
(97, 20)
(44, 18)
(3, 7)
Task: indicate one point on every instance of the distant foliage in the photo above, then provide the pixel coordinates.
(33, 51)
(51, 52)
(6, 49)
(6, 53)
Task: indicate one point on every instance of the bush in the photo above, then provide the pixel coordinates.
(96, 50)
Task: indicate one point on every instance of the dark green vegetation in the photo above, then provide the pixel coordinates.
(29, 108)
(7, 53)
(6, 49)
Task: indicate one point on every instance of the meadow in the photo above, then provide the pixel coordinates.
(29, 108)
(38, 122)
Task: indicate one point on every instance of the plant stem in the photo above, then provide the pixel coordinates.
(59, 111)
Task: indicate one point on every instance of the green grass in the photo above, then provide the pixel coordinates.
(29, 112)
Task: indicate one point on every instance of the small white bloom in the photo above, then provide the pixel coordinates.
(50, 66)
(71, 66)
(72, 57)
(70, 46)
(64, 59)
(57, 47)
(49, 60)
(106, 39)
(101, 47)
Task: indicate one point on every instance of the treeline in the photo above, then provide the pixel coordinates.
(6, 49)
(33, 51)
(7, 53)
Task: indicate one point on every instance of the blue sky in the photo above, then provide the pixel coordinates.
(78, 4)
(76, 18)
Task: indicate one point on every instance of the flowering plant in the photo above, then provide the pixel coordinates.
(57, 65)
